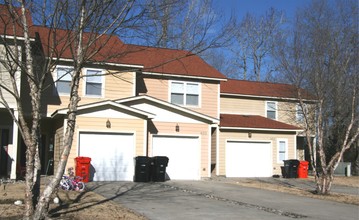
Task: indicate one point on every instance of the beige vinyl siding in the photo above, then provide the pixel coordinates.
(117, 86)
(209, 99)
(5, 79)
(186, 129)
(236, 105)
(159, 88)
(58, 144)
(256, 136)
(91, 124)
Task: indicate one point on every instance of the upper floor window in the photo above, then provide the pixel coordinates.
(185, 93)
(282, 150)
(271, 108)
(94, 82)
(64, 77)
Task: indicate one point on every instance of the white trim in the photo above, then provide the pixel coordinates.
(55, 77)
(266, 97)
(134, 86)
(183, 76)
(286, 149)
(295, 146)
(209, 148)
(217, 151)
(218, 100)
(170, 105)
(259, 129)
(100, 63)
(145, 138)
(18, 38)
(93, 105)
(185, 93)
(102, 75)
(276, 109)
(15, 145)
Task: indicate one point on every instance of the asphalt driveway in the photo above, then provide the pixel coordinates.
(218, 200)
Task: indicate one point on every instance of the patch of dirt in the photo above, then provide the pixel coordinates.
(73, 205)
(352, 181)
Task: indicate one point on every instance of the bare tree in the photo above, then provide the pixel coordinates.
(321, 56)
(87, 28)
(77, 31)
(190, 25)
(253, 43)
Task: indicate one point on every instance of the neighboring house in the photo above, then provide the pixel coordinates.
(260, 126)
(9, 135)
(150, 101)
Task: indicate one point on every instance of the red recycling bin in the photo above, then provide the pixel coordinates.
(83, 167)
(303, 169)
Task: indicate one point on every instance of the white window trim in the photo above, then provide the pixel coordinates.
(102, 83)
(56, 79)
(286, 149)
(276, 109)
(186, 82)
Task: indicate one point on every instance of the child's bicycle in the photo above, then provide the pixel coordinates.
(72, 182)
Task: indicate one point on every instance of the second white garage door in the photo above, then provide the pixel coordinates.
(111, 155)
(183, 154)
(248, 159)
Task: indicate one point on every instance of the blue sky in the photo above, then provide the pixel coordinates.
(241, 7)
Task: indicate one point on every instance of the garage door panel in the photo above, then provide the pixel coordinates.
(248, 159)
(183, 154)
(111, 155)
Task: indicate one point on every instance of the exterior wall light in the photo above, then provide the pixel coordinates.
(108, 124)
(250, 134)
(177, 128)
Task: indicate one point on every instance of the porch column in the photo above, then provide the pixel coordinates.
(15, 146)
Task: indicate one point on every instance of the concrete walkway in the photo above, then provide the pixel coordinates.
(218, 200)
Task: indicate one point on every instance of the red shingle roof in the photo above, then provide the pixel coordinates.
(58, 43)
(12, 26)
(243, 87)
(113, 50)
(253, 121)
(175, 62)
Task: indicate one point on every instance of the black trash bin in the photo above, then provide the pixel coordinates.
(290, 169)
(159, 168)
(142, 169)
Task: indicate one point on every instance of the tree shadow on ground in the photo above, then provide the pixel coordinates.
(68, 207)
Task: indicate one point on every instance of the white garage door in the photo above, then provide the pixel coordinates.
(183, 154)
(111, 155)
(248, 159)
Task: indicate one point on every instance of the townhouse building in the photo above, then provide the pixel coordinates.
(157, 102)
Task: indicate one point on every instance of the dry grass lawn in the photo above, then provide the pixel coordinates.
(352, 181)
(73, 205)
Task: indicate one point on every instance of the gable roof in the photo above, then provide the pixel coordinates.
(58, 43)
(263, 89)
(11, 26)
(229, 121)
(64, 111)
(170, 61)
(143, 98)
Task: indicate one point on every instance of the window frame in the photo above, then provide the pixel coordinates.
(275, 111)
(279, 151)
(185, 93)
(57, 79)
(102, 77)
